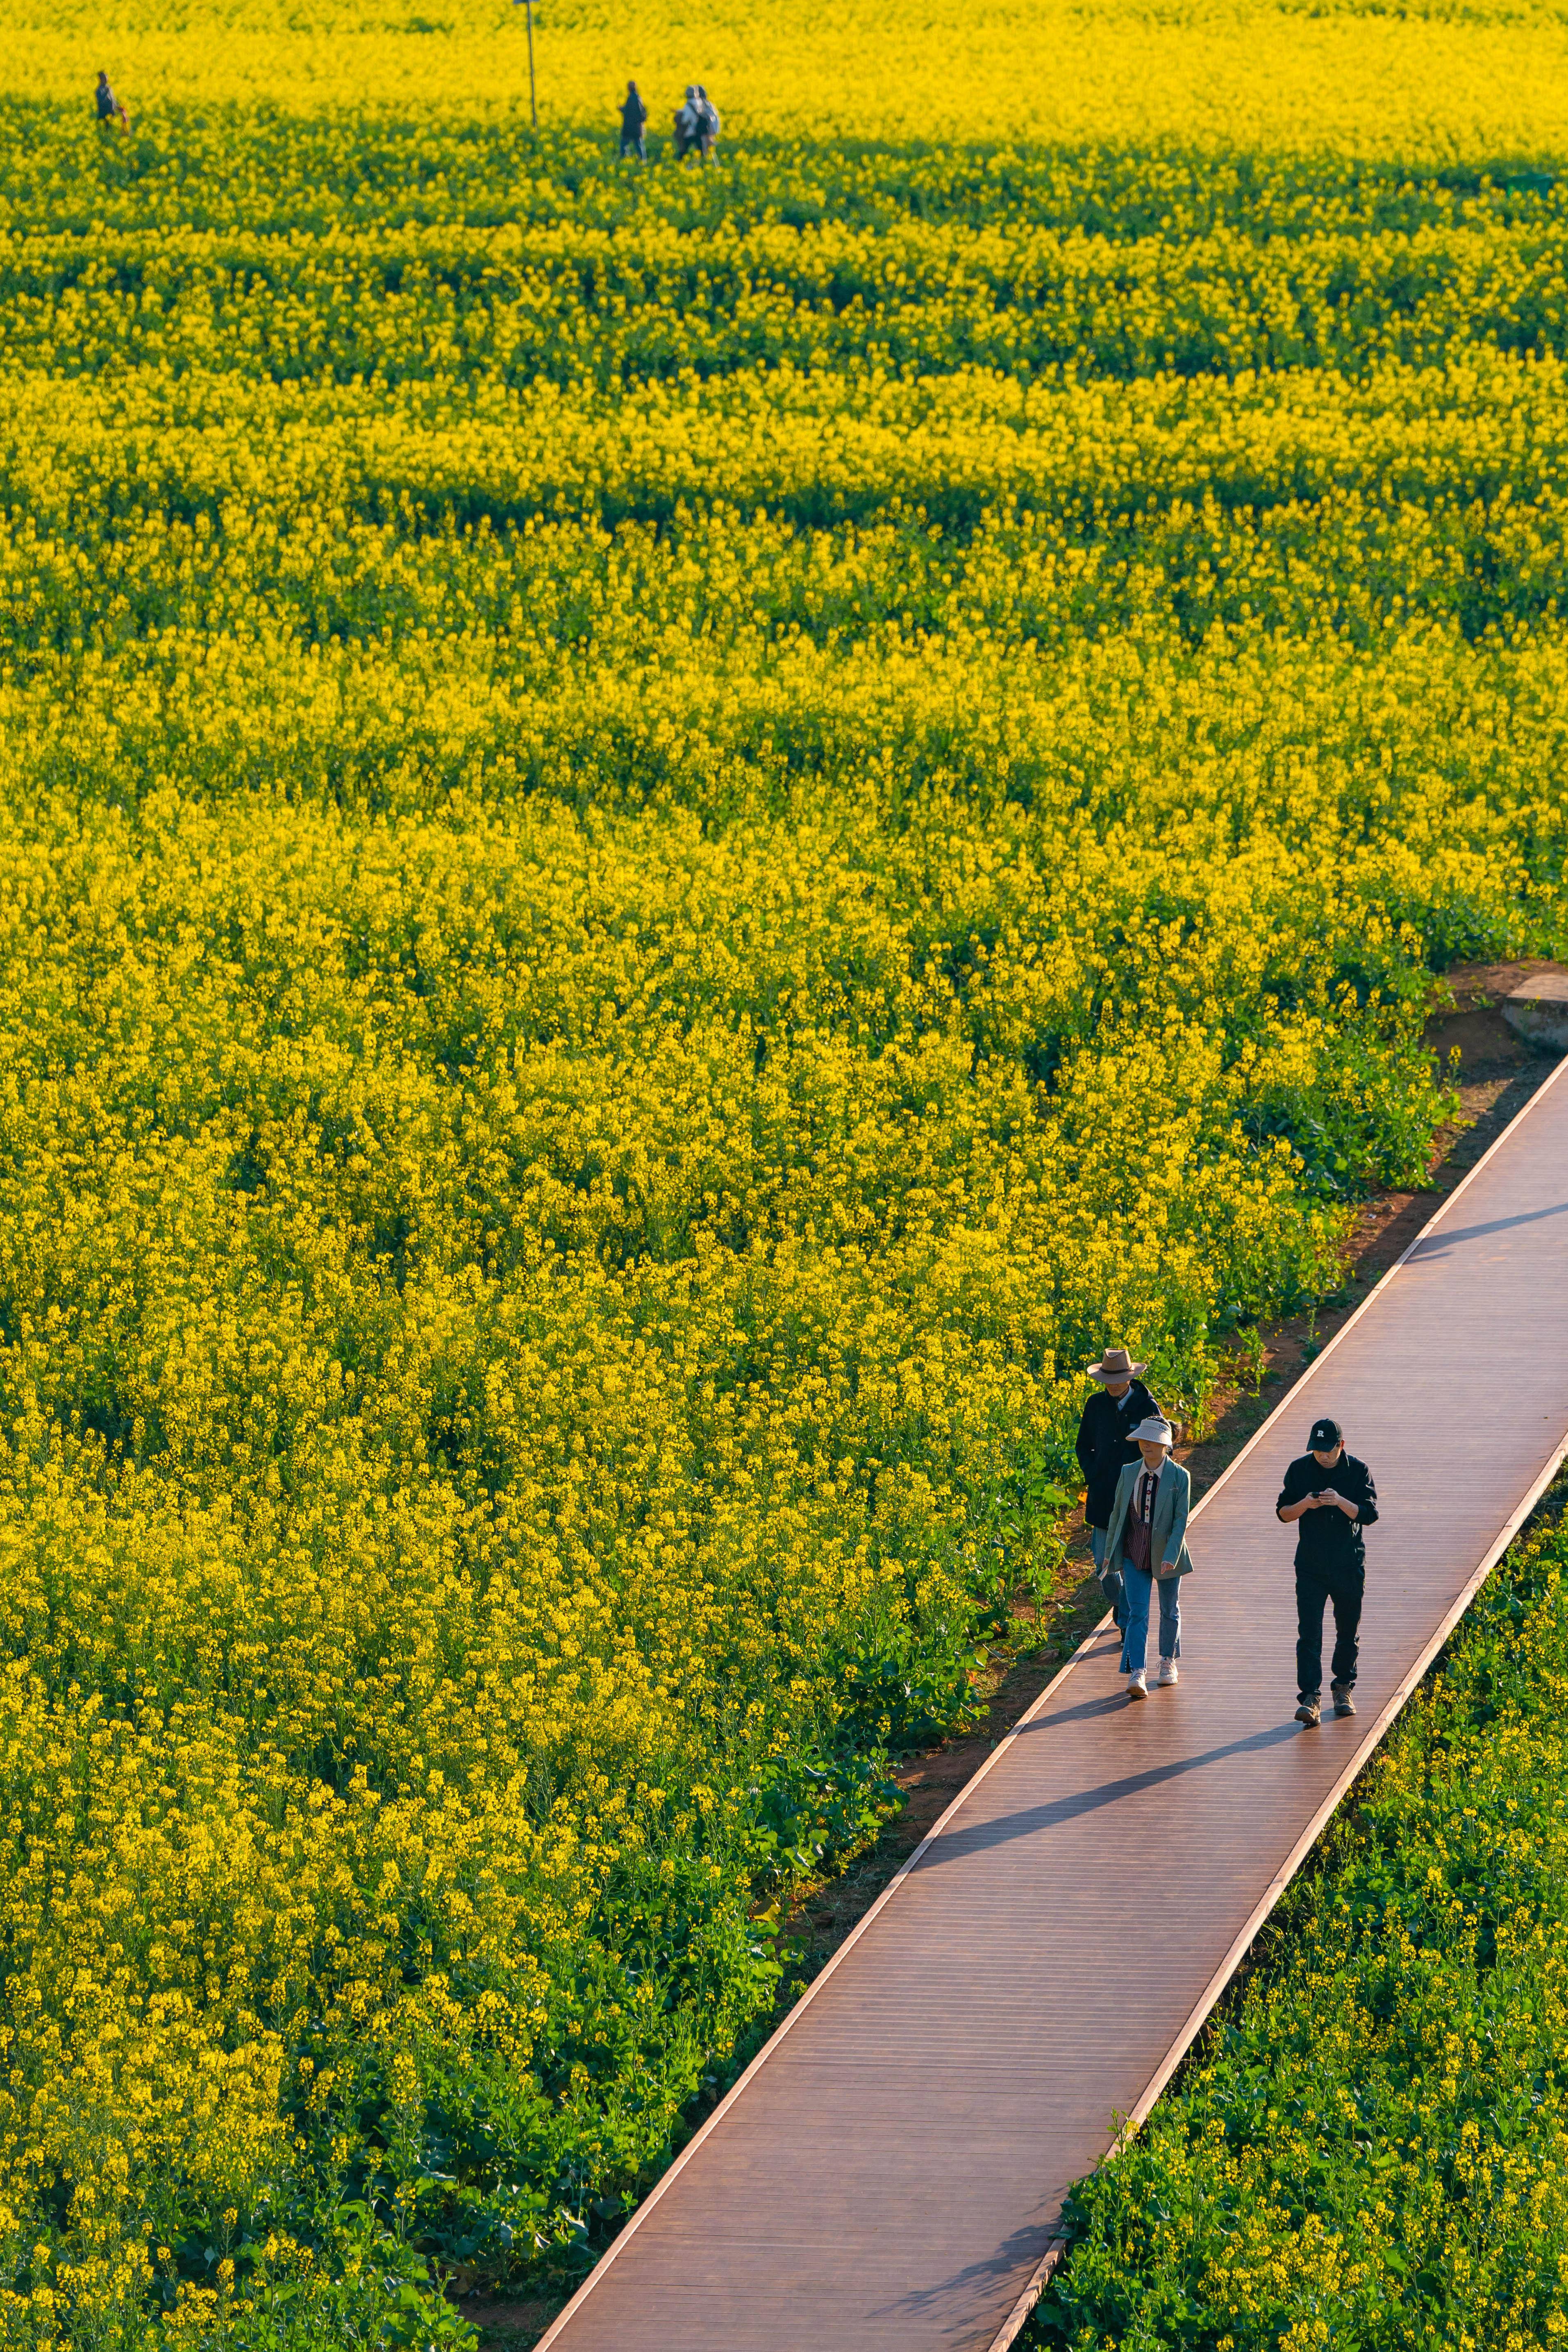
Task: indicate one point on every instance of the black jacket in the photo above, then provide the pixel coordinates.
(1103, 1445)
(1326, 1540)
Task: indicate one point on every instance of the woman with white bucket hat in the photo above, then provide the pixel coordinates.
(1147, 1540)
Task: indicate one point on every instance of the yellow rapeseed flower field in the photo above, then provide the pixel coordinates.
(669, 836)
(1441, 82)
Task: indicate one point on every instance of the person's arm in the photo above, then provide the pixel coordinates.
(1084, 1448)
(1118, 1520)
(1178, 1534)
(1294, 1498)
(1366, 1510)
(1351, 1506)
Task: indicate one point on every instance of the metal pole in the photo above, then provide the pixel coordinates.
(532, 93)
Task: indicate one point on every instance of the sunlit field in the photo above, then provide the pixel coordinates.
(669, 836)
(1445, 84)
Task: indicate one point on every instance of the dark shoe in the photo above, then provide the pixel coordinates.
(1309, 1712)
(1344, 1699)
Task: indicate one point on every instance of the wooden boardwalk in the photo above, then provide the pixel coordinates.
(889, 2173)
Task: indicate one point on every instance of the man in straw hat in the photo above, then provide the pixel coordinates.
(1329, 1498)
(1147, 1539)
(1104, 1448)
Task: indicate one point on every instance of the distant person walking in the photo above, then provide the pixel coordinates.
(1105, 1447)
(1329, 1498)
(688, 123)
(634, 121)
(708, 125)
(109, 107)
(1147, 1539)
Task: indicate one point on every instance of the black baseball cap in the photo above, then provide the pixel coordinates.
(1326, 1436)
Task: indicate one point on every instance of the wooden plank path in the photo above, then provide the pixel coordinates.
(891, 2170)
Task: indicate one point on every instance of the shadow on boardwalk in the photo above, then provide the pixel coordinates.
(960, 1843)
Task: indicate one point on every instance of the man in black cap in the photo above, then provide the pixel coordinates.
(1104, 1445)
(1330, 1497)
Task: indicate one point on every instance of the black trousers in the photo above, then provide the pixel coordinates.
(1314, 1588)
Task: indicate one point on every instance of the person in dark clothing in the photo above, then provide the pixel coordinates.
(1104, 1445)
(634, 118)
(1329, 1498)
(109, 107)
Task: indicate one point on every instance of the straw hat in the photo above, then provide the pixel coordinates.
(1116, 1364)
(1154, 1432)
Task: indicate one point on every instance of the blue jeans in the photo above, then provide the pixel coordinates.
(1139, 1586)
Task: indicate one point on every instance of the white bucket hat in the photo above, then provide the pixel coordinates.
(1154, 1432)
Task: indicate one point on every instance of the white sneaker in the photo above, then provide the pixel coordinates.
(1168, 1674)
(1136, 1685)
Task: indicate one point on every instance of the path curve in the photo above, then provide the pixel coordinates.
(888, 2175)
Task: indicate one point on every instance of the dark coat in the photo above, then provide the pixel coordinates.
(1327, 1543)
(1104, 1445)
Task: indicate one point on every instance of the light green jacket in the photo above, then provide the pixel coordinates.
(1168, 1537)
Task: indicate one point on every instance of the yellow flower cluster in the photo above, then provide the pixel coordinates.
(666, 839)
